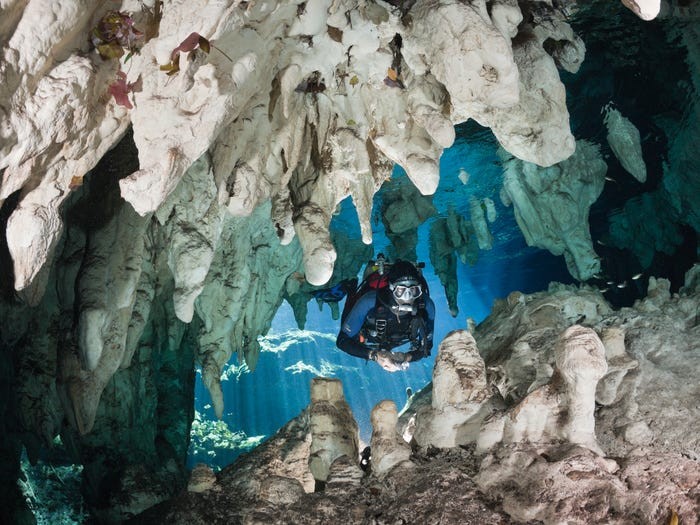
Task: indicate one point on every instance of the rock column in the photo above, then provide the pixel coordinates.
(580, 358)
(459, 390)
(333, 428)
(388, 447)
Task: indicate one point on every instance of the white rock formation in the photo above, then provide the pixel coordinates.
(551, 205)
(619, 363)
(459, 391)
(334, 126)
(106, 292)
(278, 469)
(562, 409)
(644, 9)
(623, 137)
(334, 432)
(491, 213)
(310, 77)
(650, 432)
(481, 228)
(389, 449)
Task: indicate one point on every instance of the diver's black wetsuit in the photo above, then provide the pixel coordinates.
(362, 330)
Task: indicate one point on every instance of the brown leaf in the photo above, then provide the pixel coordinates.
(75, 182)
(335, 33)
(111, 50)
(203, 44)
(173, 67)
(392, 74)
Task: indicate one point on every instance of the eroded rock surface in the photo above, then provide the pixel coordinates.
(118, 299)
(311, 77)
(552, 204)
(559, 475)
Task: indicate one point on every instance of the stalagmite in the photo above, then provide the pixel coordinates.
(561, 409)
(388, 447)
(459, 391)
(333, 428)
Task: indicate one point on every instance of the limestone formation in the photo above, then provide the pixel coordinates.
(562, 409)
(388, 447)
(140, 242)
(481, 228)
(587, 488)
(619, 364)
(623, 138)
(459, 394)
(403, 210)
(451, 238)
(285, 456)
(644, 9)
(334, 125)
(552, 204)
(334, 432)
(547, 472)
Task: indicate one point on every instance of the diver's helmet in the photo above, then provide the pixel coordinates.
(405, 286)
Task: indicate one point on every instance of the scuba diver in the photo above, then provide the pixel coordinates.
(391, 307)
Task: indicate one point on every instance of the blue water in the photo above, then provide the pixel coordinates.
(259, 403)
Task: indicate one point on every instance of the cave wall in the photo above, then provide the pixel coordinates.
(140, 241)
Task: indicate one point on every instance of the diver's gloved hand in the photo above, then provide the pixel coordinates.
(388, 360)
(401, 359)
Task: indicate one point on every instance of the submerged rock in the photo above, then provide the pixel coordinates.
(547, 468)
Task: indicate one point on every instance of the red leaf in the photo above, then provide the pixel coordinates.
(120, 90)
(188, 44)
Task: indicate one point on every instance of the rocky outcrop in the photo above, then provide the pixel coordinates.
(345, 92)
(334, 432)
(548, 467)
(336, 118)
(459, 391)
(389, 449)
(561, 409)
(623, 138)
(451, 238)
(552, 204)
(403, 210)
(179, 245)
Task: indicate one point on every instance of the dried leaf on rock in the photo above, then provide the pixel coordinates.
(112, 50)
(335, 34)
(393, 83)
(204, 44)
(120, 89)
(75, 182)
(191, 43)
(115, 32)
(173, 67)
